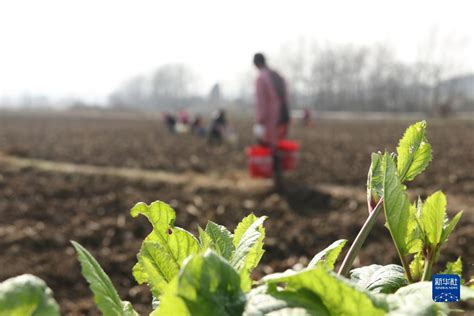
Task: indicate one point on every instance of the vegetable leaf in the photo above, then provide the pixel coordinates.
(204, 239)
(155, 266)
(448, 229)
(159, 261)
(295, 303)
(221, 239)
(160, 215)
(454, 267)
(414, 152)
(415, 299)
(171, 303)
(328, 256)
(164, 249)
(206, 285)
(339, 297)
(27, 295)
(432, 217)
(380, 279)
(105, 295)
(248, 243)
(416, 266)
(400, 215)
(375, 178)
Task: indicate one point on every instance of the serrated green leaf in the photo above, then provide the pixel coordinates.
(339, 297)
(414, 152)
(248, 242)
(138, 273)
(380, 279)
(416, 267)
(105, 294)
(156, 267)
(454, 267)
(204, 239)
(448, 229)
(206, 285)
(414, 239)
(221, 238)
(400, 215)
(375, 178)
(159, 260)
(419, 206)
(164, 249)
(27, 295)
(432, 217)
(243, 227)
(418, 237)
(329, 255)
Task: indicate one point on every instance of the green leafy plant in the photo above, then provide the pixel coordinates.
(211, 274)
(418, 231)
(105, 295)
(26, 295)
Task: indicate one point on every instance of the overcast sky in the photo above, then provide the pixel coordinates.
(86, 48)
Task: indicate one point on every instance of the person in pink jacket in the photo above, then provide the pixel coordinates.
(272, 114)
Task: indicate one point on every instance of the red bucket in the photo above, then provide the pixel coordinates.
(290, 151)
(260, 161)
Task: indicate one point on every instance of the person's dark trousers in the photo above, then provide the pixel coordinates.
(277, 170)
(277, 166)
(214, 138)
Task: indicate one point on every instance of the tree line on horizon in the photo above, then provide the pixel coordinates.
(328, 78)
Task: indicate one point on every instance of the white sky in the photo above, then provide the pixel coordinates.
(87, 48)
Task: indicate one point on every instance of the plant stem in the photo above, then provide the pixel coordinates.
(427, 268)
(360, 239)
(403, 260)
(406, 265)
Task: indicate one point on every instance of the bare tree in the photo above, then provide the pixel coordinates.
(131, 94)
(437, 61)
(349, 77)
(170, 85)
(293, 60)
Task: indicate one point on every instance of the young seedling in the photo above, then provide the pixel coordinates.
(419, 230)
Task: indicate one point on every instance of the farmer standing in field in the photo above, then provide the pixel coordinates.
(272, 113)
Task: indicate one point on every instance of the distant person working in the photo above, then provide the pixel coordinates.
(272, 113)
(218, 128)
